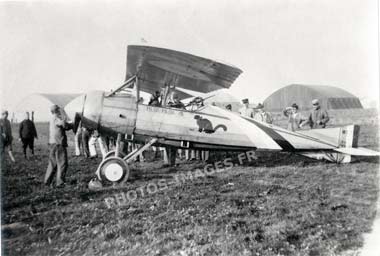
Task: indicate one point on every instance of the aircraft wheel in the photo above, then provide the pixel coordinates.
(112, 154)
(113, 169)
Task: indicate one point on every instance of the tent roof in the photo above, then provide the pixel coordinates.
(330, 97)
(324, 91)
(59, 99)
(222, 96)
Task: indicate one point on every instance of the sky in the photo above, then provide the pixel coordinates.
(74, 47)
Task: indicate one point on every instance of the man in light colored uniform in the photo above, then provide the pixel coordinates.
(57, 146)
(246, 110)
(261, 115)
(78, 141)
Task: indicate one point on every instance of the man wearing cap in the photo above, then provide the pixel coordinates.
(261, 115)
(6, 134)
(318, 117)
(27, 133)
(57, 147)
(246, 110)
(294, 117)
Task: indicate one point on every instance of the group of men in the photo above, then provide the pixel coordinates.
(258, 113)
(85, 142)
(58, 125)
(27, 134)
(317, 118)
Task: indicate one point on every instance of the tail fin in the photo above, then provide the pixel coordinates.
(346, 139)
(349, 136)
(348, 144)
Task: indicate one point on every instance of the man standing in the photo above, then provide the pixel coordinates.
(92, 144)
(85, 140)
(7, 135)
(57, 147)
(27, 133)
(318, 117)
(294, 117)
(78, 140)
(246, 110)
(261, 115)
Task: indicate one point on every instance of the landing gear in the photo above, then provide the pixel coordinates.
(112, 153)
(114, 167)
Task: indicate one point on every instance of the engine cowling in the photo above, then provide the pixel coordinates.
(108, 115)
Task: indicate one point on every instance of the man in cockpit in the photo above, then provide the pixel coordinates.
(175, 102)
(155, 99)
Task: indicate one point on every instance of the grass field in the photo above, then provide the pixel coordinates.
(281, 204)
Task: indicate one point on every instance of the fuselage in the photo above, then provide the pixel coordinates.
(208, 127)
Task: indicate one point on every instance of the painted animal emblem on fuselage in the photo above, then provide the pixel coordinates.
(206, 126)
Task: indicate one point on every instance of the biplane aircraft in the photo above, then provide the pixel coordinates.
(203, 127)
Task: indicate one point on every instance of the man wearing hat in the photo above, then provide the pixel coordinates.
(318, 117)
(57, 146)
(246, 110)
(6, 134)
(261, 115)
(294, 117)
(27, 133)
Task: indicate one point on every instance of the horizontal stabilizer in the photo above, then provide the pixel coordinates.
(358, 151)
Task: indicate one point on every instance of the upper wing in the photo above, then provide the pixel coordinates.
(158, 67)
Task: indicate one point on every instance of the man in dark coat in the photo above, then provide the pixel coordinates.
(318, 117)
(27, 133)
(155, 99)
(6, 134)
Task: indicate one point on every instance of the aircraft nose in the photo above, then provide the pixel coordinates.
(86, 109)
(92, 109)
(75, 107)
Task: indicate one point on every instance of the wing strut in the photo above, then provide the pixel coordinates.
(123, 86)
